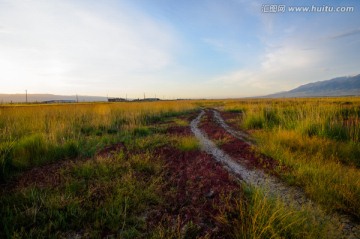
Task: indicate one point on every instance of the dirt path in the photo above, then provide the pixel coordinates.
(272, 186)
(237, 134)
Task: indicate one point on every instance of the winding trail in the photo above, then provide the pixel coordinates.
(271, 186)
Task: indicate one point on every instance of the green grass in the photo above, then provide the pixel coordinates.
(187, 143)
(104, 195)
(316, 167)
(254, 122)
(256, 216)
(181, 122)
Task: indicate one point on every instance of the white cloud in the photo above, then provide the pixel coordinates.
(61, 43)
(280, 69)
(288, 58)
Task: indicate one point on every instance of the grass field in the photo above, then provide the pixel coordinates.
(317, 138)
(35, 135)
(134, 170)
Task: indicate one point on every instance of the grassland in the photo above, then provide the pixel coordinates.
(319, 139)
(36, 135)
(134, 170)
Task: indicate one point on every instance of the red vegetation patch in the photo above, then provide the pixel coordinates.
(50, 175)
(238, 149)
(179, 130)
(42, 176)
(194, 185)
(226, 115)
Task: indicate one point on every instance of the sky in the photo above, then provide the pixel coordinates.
(174, 49)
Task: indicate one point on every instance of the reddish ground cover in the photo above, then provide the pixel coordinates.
(194, 190)
(42, 176)
(179, 130)
(195, 185)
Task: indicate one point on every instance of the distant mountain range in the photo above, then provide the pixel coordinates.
(341, 86)
(17, 98)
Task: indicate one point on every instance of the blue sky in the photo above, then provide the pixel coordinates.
(171, 48)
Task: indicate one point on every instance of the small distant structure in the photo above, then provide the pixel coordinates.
(116, 100)
(58, 101)
(147, 99)
(151, 99)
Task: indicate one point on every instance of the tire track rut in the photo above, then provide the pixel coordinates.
(272, 186)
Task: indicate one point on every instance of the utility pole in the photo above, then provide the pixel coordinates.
(26, 95)
(144, 95)
(77, 99)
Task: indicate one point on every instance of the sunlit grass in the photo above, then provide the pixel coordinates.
(257, 216)
(36, 134)
(317, 138)
(181, 122)
(187, 143)
(316, 168)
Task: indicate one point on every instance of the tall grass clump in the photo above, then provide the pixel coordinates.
(29, 151)
(5, 159)
(316, 168)
(254, 122)
(187, 143)
(257, 216)
(261, 118)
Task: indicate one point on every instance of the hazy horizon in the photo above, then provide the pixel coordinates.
(173, 49)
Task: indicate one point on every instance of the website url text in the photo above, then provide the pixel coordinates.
(278, 8)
